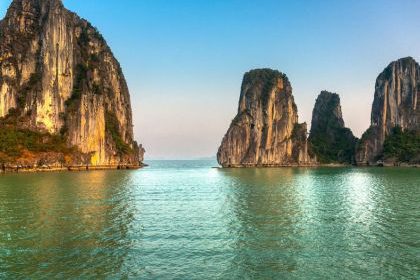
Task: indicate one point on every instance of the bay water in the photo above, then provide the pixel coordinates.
(187, 220)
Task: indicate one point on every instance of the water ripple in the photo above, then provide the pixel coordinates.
(185, 220)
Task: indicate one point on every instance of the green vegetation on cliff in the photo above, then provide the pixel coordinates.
(14, 140)
(299, 132)
(339, 148)
(79, 81)
(267, 78)
(266, 75)
(18, 142)
(112, 127)
(329, 139)
(403, 146)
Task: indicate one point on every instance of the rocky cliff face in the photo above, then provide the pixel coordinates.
(265, 132)
(330, 140)
(396, 104)
(60, 76)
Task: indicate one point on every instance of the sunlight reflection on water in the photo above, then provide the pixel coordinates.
(188, 220)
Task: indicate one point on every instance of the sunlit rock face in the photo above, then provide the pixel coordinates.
(265, 132)
(396, 103)
(58, 71)
(330, 140)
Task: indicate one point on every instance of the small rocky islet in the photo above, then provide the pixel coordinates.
(329, 139)
(394, 134)
(266, 132)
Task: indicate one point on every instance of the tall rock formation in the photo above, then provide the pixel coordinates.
(396, 104)
(330, 140)
(265, 132)
(60, 76)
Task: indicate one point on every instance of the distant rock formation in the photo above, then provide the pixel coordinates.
(58, 76)
(265, 132)
(396, 105)
(330, 140)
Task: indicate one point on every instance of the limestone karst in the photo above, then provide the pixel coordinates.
(59, 78)
(395, 106)
(265, 131)
(329, 139)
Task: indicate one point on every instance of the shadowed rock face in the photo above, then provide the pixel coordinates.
(396, 104)
(330, 140)
(60, 75)
(265, 132)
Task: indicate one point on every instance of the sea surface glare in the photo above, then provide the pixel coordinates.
(187, 220)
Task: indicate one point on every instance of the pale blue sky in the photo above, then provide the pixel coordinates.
(184, 59)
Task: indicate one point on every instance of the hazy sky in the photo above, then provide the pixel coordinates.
(184, 59)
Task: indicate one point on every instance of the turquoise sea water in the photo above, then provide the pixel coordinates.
(186, 220)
